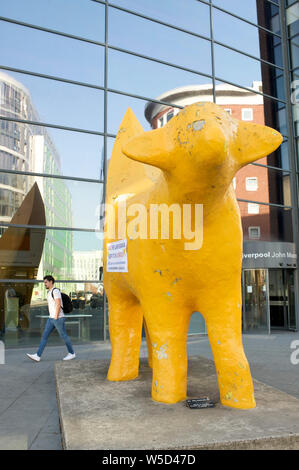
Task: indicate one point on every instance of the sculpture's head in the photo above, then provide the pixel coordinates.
(203, 139)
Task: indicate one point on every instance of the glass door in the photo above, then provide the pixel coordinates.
(282, 299)
(256, 315)
(277, 299)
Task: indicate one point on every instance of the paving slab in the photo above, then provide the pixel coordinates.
(97, 414)
(12, 439)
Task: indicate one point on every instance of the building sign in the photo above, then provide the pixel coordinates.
(117, 259)
(269, 255)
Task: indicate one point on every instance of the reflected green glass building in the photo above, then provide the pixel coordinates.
(63, 96)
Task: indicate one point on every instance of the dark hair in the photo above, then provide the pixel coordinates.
(49, 278)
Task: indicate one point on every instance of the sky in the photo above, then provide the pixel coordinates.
(81, 107)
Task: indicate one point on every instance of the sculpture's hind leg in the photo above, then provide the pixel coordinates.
(222, 311)
(125, 329)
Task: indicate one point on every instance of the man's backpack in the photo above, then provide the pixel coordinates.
(67, 303)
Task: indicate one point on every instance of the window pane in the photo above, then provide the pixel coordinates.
(53, 202)
(77, 60)
(189, 15)
(269, 16)
(145, 77)
(294, 52)
(292, 20)
(50, 101)
(30, 253)
(61, 15)
(158, 41)
(240, 35)
(39, 149)
(24, 311)
(248, 10)
(275, 223)
(247, 71)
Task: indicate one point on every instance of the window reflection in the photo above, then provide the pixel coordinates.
(250, 10)
(189, 15)
(292, 20)
(270, 223)
(31, 252)
(58, 103)
(294, 52)
(243, 9)
(53, 15)
(236, 33)
(68, 203)
(140, 76)
(52, 151)
(158, 41)
(262, 184)
(24, 311)
(77, 60)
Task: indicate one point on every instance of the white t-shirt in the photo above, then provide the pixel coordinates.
(52, 304)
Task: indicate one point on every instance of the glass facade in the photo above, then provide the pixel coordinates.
(62, 97)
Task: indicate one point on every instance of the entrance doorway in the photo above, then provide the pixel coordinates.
(268, 300)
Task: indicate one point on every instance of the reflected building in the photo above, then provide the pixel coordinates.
(29, 148)
(87, 265)
(15, 151)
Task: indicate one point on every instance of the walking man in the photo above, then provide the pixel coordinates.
(56, 320)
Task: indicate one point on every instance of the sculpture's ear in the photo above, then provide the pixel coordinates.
(254, 141)
(153, 147)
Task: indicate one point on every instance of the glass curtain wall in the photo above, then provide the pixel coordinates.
(63, 95)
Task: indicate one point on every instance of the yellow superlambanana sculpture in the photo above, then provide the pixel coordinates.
(192, 160)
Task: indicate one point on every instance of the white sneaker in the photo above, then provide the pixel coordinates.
(33, 357)
(69, 357)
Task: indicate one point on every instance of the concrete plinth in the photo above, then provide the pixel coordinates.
(97, 414)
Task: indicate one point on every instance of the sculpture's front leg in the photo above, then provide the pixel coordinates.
(168, 327)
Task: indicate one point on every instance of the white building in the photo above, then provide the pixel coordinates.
(226, 95)
(87, 265)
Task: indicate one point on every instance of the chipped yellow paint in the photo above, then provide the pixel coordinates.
(228, 396)
(161, 353)
(181, 164)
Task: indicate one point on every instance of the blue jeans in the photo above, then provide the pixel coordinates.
(60, 327)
